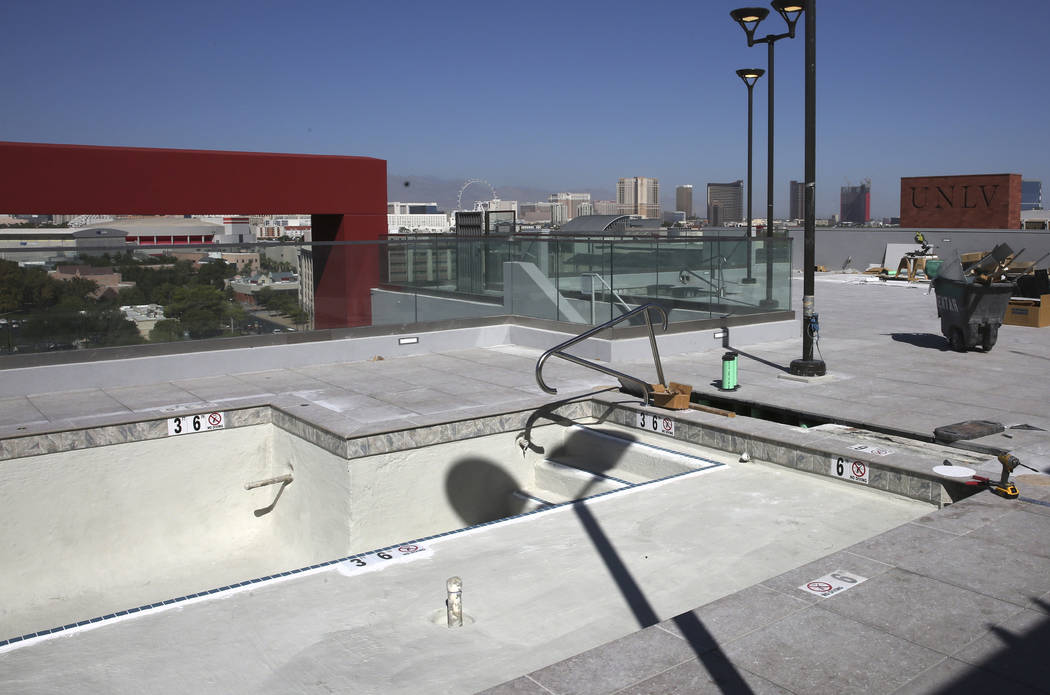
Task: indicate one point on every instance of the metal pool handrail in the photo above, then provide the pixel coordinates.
(557, 351)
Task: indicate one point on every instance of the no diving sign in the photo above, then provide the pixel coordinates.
(188, 424)
(857, 471)
(834, 583)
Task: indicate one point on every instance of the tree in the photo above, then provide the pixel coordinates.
(215, 272)
(200, 310)
(111, 328)
(166, 331)
(131, 296)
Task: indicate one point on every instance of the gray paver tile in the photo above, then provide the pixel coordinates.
(19, 411)
(504, 377)
(216, 389)
(1015, 649)
(368, 383)
(152, 396)
(789, 582)
(959, 678)
(463, 386)
(714, 674)
(426, 401)
(1026, 530)
(1033, 487)
(735, 615)
(1041, 604)
(899, 544)
(380, 415)
(968, 514)
(615, 665)
(984, 566)
(281, 381)
(815, 651)
(342, 401)
(921, 610)
(518, 686)
(76, 404)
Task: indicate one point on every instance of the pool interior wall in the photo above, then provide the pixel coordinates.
(91, 531)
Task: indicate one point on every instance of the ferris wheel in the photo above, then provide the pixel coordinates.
(469, 182)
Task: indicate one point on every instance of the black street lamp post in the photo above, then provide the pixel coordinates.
(750, 77)
(807, 366)
(748, 18)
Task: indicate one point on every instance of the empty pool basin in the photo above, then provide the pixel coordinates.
(91, 532)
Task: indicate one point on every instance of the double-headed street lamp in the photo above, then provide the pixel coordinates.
(750, 77)
(748, 18)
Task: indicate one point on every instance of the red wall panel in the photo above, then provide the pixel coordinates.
(349, 193)
(81, 179)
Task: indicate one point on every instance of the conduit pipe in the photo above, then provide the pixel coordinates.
(282, 479)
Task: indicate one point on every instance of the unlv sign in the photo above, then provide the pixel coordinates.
(990, 201)
(947, 198)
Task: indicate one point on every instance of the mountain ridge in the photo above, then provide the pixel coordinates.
(426, 189)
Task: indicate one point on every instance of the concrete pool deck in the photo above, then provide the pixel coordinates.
(956, 601)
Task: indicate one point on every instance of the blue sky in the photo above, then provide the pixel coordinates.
(557, 95)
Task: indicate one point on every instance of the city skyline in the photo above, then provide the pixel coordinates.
(328, 79)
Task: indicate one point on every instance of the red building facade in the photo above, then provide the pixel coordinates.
(982, 201)
(345, 195)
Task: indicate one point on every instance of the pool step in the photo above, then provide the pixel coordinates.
(555, 483)
(619, 456)
(529, 501)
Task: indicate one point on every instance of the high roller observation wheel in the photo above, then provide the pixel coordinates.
(459, 198)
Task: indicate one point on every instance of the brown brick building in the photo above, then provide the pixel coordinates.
(981, 201)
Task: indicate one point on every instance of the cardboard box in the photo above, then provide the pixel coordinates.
(674, 397)
(1028, 312)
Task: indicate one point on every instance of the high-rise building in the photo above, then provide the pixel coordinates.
(496, 205)
(536, 212)
(797, 197)
(1031, 195)
(606, 207)
(683, 200)
(576, 204)
(638, 195)
(725, 203)
(855, 203)
(397, 208)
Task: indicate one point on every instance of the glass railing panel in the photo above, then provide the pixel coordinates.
(65, 299)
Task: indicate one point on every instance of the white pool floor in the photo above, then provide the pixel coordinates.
(537, 589)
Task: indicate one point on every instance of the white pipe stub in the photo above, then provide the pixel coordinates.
(454, 602)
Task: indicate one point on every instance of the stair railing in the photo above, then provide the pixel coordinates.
(624, 379)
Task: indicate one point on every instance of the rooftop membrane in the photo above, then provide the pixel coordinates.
(948, 600)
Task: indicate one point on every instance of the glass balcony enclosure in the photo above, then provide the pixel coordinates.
(67, 298)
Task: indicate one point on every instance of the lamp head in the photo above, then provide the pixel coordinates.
(790, 10)
(748, 19)
(750, 75)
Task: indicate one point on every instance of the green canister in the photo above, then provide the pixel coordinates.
(729, 372)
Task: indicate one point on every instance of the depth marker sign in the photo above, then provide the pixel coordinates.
(834, 583)
(381, 558)
(857, 471)
(877, 450)
(655, 423)
(197, 423)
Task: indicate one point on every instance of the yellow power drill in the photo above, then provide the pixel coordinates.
(1005, 487)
